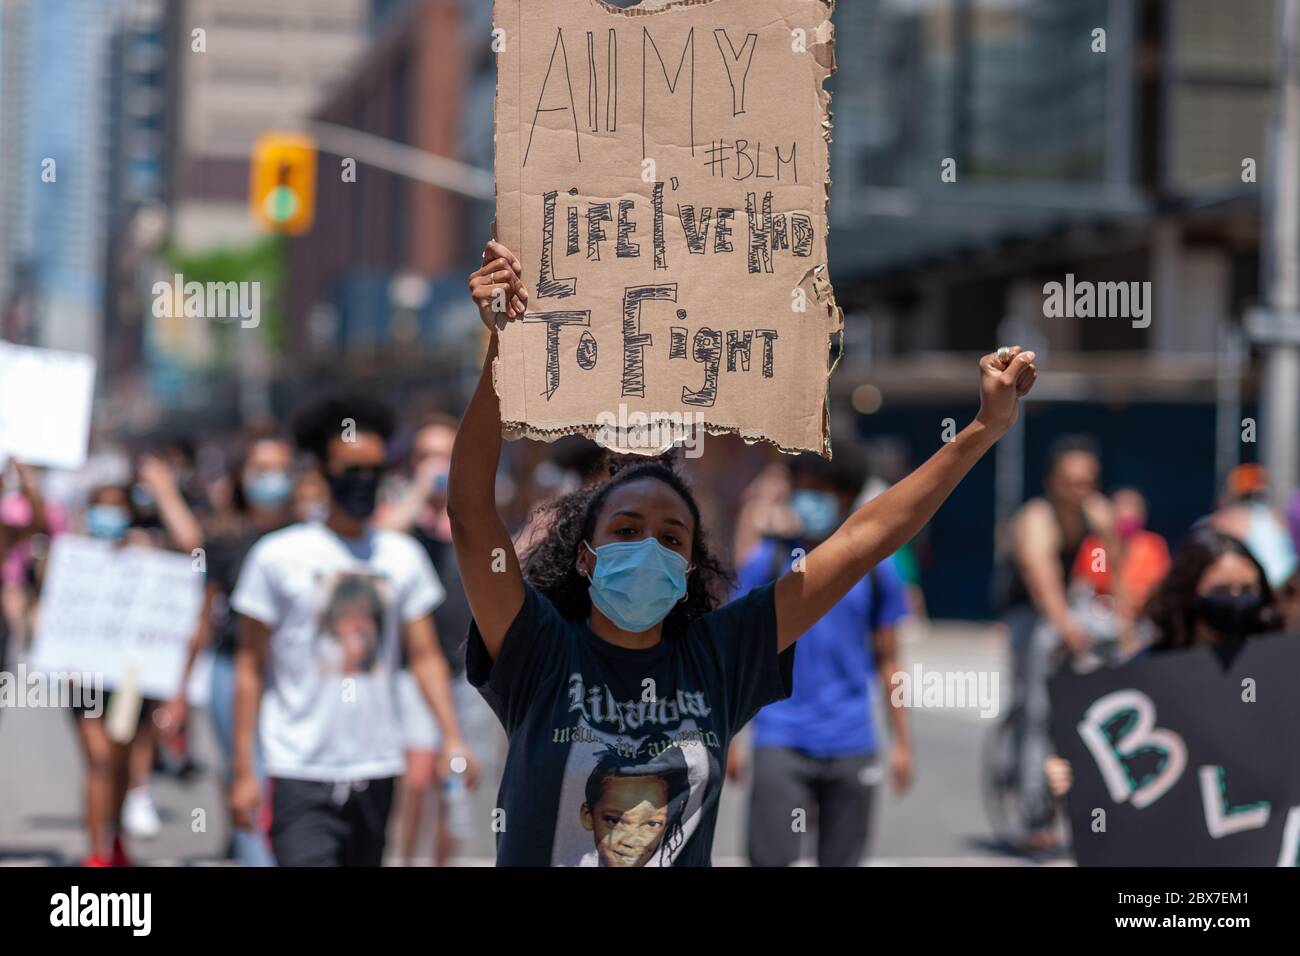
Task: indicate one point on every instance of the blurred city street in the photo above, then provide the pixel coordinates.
(939, 823)
(951, 344)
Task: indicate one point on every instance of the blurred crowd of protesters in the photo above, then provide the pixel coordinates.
(275, 486)
(355, 548)
(312, 532)
(1081, 578)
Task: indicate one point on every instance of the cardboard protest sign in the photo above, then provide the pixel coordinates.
(662, 174)
(45, 401)
(107, 610)
(1181, 761)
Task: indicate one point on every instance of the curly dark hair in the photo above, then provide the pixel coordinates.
(320, 421)
(550, 565)
(1171, 607)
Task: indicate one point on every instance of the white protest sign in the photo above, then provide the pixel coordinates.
(105, 609)
(45, 403)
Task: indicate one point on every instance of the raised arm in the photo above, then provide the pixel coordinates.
(489, 567)
(888, 521)
(29, 485)
(178, 520)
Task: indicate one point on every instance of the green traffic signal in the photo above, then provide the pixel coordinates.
(281, 204)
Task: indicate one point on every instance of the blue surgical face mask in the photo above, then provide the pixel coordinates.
(636, 583)
(818, 511)
(107, 521)
(268, 489)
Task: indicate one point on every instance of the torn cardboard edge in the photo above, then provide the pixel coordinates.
(648, 8)
(629, 439)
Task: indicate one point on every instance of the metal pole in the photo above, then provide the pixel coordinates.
(409, 161)
(1227, 444)
(963, 85)
(1121, 68)
(1280, 400)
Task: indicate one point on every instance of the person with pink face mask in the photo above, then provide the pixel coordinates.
(1142, 561)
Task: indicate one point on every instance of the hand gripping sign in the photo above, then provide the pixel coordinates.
(662, 173)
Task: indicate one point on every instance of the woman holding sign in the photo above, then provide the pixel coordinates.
(619, 680)
(110, 517)
(1215, 595)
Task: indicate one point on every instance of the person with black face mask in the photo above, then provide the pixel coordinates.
(1215, 595)
(323, 609)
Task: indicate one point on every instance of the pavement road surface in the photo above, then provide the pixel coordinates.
(940, 822)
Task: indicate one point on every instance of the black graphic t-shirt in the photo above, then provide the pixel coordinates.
(616, 755)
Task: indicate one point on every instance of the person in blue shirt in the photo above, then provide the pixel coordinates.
(818, 748)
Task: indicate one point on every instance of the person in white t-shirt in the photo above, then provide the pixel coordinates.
(323, 608)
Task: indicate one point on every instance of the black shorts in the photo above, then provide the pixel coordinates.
(329, 824)
(82, 709)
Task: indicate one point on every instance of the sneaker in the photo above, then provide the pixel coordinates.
(139, 815)
(96, 860)
(119, 857)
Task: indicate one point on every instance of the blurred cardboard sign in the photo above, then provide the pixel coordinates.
(45, 405)
(112, 610)
(662, 174)
(1184, 760)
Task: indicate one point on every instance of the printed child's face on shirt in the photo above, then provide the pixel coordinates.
(629, 819)
(357, 631)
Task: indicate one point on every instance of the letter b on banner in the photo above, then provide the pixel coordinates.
(1113, 754)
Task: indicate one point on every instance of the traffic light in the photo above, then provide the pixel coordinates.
(282, 194)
